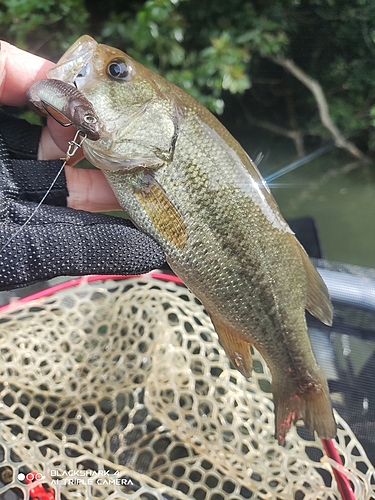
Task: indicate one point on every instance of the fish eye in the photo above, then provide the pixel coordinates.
(118, 69)
(90, 119)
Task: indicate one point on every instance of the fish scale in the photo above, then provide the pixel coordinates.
(184, 180)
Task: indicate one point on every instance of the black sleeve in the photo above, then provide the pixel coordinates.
(56, 240)
(32, 177)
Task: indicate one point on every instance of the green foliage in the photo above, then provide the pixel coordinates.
(339, 50)
(44, 26)
(217, 48)
(204, 48)
(157, 36)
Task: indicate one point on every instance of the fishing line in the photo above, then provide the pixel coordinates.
(302, 161)
(73, 146)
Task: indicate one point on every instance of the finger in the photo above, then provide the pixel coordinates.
(89, 190)
(18, 70)
(54, 142)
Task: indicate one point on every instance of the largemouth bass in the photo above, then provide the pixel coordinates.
(184, 180)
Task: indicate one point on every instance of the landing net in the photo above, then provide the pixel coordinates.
(120, 390)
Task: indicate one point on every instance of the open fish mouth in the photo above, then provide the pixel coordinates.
(74, 61)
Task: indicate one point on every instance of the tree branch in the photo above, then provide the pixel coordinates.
(322, 104)
(295, 135)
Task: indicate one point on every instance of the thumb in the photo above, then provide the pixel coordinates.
(54, 142)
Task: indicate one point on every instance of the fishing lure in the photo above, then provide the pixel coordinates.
(67, 105)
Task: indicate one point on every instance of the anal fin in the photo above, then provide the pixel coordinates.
(237, 349)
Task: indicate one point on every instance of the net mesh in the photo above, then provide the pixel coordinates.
(120, 389)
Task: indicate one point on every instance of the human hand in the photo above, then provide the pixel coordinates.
(88, 189)
(55, 240)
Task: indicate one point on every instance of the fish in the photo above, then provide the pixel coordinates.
(65, 104)
(183, 179)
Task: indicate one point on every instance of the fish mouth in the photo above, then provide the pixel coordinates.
(75, 61)
(82, 77)
(75, 67)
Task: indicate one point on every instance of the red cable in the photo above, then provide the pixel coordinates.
(77, 281)
(342, 481)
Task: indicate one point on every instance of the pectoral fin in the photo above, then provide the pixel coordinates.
(162, 212)
(237, 349)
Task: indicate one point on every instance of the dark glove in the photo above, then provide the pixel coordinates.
(57, 240)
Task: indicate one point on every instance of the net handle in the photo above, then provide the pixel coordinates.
(13, 305)
(343, 484)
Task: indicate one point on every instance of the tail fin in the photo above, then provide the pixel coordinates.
(309, 402)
